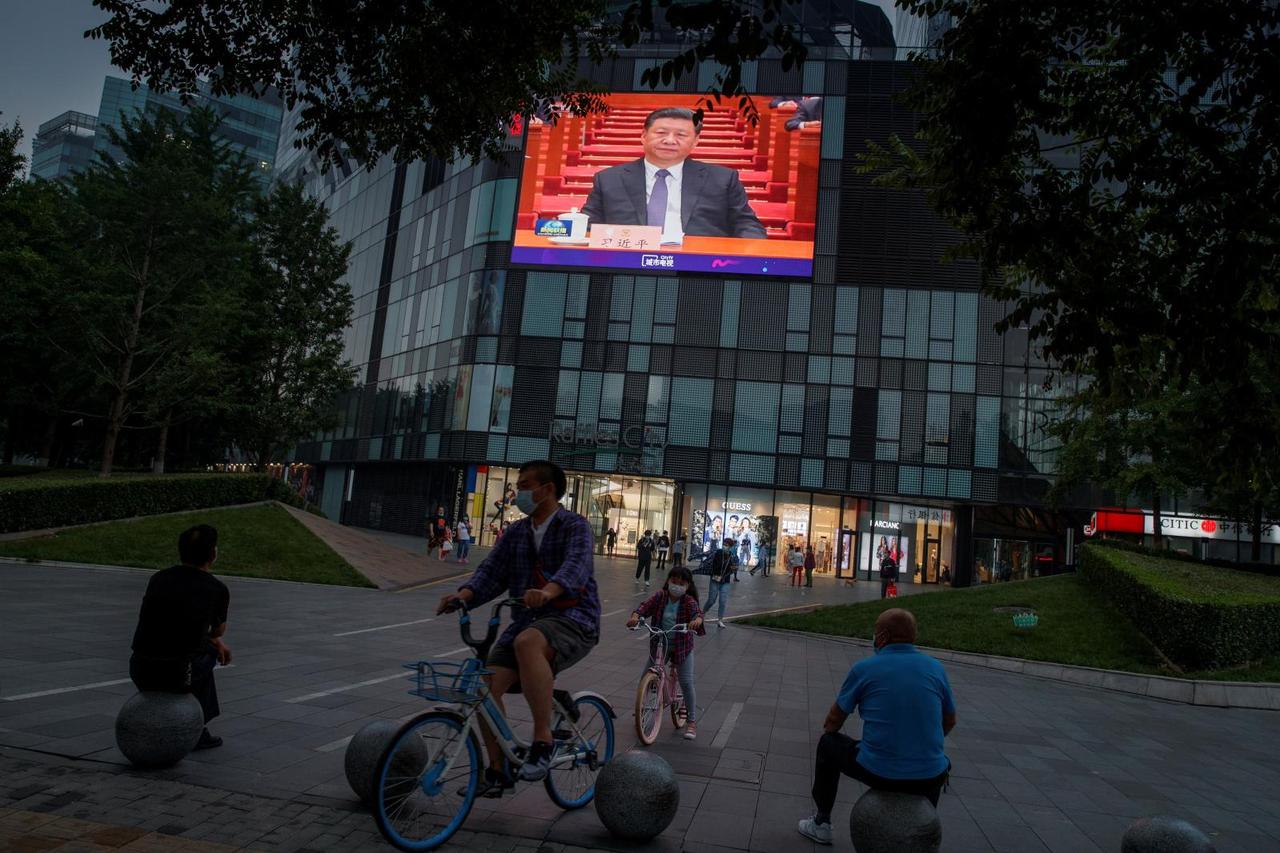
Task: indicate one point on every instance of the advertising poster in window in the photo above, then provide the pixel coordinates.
(651, 185)
(484, 302)
(500, 411)
(733, 520)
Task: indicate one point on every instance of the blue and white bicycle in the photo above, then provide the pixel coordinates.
(428, 776)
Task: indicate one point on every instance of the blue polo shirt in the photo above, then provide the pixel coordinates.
(901, 695)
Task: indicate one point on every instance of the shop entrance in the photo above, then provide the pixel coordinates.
(628, 505)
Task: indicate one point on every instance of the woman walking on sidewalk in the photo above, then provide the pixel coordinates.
(464, 539)
(677, 551)
(810, 562)
(795, 563)
(723, 564)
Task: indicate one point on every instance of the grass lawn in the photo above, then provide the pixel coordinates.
(254, 541)
(1076, 627)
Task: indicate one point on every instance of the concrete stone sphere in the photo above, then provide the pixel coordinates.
(637, 795)
(157, 729)
(885, 822)
(1164, 834)
(361, 759)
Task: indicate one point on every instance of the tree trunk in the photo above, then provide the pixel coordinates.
(46, 444)
(162, 445)
(264, 457)
(1255, 534)
(1157, 520)
(116, 417)
(11, 435)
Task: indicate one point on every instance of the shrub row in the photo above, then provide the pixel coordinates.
(1168, 554)
(1192, 634)
(62, 503)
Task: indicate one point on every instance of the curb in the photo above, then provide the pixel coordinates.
(1251, 695)
(100, 567)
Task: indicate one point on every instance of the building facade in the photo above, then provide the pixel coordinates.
(63, 146)
(869, 408)
(66, 145)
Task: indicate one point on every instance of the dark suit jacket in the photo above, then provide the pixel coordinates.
(807, 109)
(713, 202)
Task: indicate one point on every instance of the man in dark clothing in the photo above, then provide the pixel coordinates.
(644, 556)
(178, 640)
(436, 526)
(888, 574)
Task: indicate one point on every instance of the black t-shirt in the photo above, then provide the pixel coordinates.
(180, 607)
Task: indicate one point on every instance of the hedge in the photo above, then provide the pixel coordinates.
(1202, 618)
(65, 502)
(1169, 554)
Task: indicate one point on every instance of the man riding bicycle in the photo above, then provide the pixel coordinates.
(545, 560)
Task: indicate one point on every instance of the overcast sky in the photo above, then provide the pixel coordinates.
(47, 66)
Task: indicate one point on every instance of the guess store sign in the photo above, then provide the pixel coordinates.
(1190, 526)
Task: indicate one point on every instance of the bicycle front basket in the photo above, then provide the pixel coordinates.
(447, 681)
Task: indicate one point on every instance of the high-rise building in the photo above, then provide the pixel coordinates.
(63, 145)
(251, 124)
(69, 143)
(866, 407)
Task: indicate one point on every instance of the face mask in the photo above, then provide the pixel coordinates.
(525, 502)
(676, 589)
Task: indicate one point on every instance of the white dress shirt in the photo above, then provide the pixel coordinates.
(672, 227)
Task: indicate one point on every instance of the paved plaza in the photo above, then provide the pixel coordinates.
(1038, 765)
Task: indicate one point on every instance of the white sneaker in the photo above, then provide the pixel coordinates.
(646, 584)
(814, 831)
(720, 622)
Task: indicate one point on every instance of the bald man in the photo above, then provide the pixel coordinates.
(907, 708)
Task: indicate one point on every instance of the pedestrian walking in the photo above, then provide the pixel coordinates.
(446, 544)
(723, 565)
(810, 563)
(644, 556)
(677, 551)
(763, 560)
(610, 540)
(888, 574)
(664, 548)
(464, 539)
(795, 563)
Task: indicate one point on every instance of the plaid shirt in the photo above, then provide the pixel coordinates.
(566, 560)
(681, 645)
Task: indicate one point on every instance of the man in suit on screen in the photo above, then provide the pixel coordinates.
(667, 189)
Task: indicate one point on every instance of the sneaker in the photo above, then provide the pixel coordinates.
(493, 784)
(538, 764)
(814, 831)
(691, 731)
(646, 584)
(208, 741)
(720, 622)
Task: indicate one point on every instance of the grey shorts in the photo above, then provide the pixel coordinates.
(570, 641)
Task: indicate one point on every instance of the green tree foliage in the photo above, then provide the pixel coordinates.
(418, 79)
(298, 306)
(165, 253)
(1113, 168)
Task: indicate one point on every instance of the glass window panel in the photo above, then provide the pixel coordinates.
(986, 439)
(888, 417)
(638, 359)
(797, 341)
(567, 394)
(838, 447)
(544, 304)
(811, 473)
(959, 483)
(755, 423)
(844, 345)
(729, 314)
(966, 326)
(481, 397)
(798, 302)
(962, 378)
(909, 480)
(792, 408)
(589, 384)
(751, 468)
(840, 411)
(611, 396)
(842, 372)
(642, 309)
(939, 377)
(664, 308)
(937, 434)
(656, 404)
(917, 345)
(942, 314)
(893, 317)
(819, 369)
(620, 303)
(690, 422)
(571, 354)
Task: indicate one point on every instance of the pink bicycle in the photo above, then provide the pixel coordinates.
(659, 689)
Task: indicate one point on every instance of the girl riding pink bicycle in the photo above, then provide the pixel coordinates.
(676, 604)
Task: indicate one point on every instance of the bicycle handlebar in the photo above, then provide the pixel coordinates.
(678, 628)
(464, 622)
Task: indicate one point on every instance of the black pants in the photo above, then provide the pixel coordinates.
(662, 560)
(643, 566)
(194, 676)
(838, 754)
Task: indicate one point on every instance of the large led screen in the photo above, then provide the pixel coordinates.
(642, 186)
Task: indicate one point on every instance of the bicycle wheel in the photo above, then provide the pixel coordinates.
(649, 707)
(571, 784)
(426, 781)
